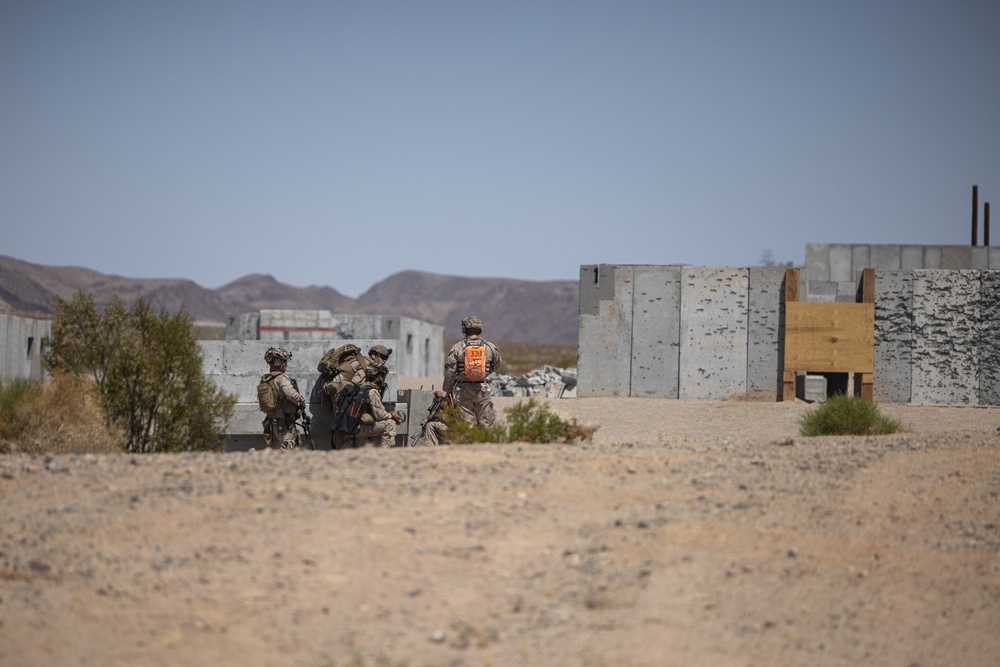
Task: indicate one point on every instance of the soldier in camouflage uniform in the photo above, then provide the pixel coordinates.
(279, 425)
(383, 423)
(473, 396)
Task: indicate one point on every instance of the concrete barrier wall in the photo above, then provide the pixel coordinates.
(713, 350)
(419, 353)
(237, 365)
(710, 333)
(833, 269)
(936, 336)
(678, 332)
(21, 346)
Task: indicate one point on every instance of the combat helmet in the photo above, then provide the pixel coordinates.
(472, 324)
(277, 354)
(380, 350)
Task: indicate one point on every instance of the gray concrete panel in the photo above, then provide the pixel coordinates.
(595, 286)
(989, 338)
(21, 346)
(956, 257)
(840, 263)
(893, 335)
(886, 257)
(861, 259)
(656, 321)
(714, 312)
(994, 257)
(817, 261)
(932, 257)
(911, 257)
(980, 258)
(945, 337)
(605, 347)
(764, 352)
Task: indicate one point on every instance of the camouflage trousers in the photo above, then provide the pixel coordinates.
(476, 402)
(384, 431)
(280, 433)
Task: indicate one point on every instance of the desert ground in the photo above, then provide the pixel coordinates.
(684, 533)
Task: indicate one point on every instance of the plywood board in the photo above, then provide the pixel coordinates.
(829, 337)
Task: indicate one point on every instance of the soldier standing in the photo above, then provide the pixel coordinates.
(468, 363)
(279, 424)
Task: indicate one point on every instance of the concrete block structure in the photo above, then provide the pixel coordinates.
(833, 269)
(418, 346)
(237, 366)
(21, 346)
(679, 331)
(933, 335)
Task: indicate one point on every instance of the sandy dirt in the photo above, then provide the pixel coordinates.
(686, 533)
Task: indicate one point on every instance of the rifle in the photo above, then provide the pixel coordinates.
(431, 411)
(303, 420)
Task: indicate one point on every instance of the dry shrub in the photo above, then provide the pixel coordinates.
(63, 417)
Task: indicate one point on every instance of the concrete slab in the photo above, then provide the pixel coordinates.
(764, 352)
(911, 257)
(980, 258)
(840, 263)
(888, 257)
(861, 259)
(945, 337)
(605, 336)
(994, 257)
(956, 257)
(714, 315)
(893, 335)
(817, 261)
(656, 321)
(932, 257)
(989, 338)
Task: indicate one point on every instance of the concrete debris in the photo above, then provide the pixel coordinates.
(544, 382)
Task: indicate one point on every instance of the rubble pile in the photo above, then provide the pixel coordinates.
(547, 381)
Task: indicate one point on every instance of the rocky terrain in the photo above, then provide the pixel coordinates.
(686, 532)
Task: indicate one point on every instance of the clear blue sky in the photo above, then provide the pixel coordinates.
(336, 143)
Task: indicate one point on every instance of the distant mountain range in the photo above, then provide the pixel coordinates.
(521, 311)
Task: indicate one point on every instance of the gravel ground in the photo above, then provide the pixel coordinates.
(686, 532)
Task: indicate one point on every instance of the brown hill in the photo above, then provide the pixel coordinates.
(514, 310)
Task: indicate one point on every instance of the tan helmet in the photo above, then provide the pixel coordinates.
(277, 354)
(380, 350)
(472, 324)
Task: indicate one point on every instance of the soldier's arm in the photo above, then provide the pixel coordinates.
(450, 371)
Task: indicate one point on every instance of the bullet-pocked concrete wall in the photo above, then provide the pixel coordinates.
(679, 332)
(21, 346)
(419, 350)
(832, 270)
(236, 366)
(936, 336)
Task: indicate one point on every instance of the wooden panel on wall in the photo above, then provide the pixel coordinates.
(829, 337)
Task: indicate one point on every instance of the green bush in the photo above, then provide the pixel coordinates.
(529, 421)
(847, 415)
(147, 370)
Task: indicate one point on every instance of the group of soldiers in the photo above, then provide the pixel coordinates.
(465, 385)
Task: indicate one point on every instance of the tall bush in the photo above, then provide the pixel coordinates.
(147, 369)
